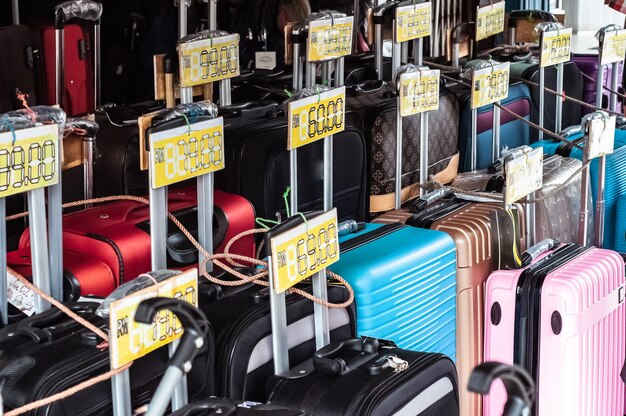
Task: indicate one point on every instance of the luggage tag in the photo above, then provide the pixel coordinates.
(29, 163)
(264, 59)
(489, 20)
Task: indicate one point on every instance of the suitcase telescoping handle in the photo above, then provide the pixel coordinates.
(214, 406)
(195, 327)
(381, 15)
(519, 386)
(342, 357)
(462, 33)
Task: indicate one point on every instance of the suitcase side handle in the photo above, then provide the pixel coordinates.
(519, 385)
(77, 9)
(340, 358)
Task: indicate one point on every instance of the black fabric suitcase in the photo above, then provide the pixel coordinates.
(361, 377)
(257, 162)
(49, 352)
(376, 102)
(225, 407)
(241, 322)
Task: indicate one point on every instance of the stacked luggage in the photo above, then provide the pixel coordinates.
(363, 249)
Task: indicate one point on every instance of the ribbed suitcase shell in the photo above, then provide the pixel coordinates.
(620, 226)
(588, 64)
(579, 369)
(470, 228)
(405, 286)
(615, 179)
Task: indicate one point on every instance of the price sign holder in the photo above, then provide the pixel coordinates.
(296, 253)
(29, 163)
(489, 20)
(523, 175)
(413, 21)
(129, 340)
(490, 85)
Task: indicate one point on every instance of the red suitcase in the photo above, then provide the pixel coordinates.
(117, 234)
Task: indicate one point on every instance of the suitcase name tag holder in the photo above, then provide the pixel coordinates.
(29, 163)
(489, 20)
(599, 140)
(612, 47)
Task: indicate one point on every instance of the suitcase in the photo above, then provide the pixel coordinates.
(402, 274)
(218, 406)
(357, 377)
(29, 372)
(615, 186)
(620, 226)
(555, 318)
(257, 163)
(117, 234)
(588, 64)
(514, 133)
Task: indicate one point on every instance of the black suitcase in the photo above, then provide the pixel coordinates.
(361, 377)
(49, 352)
(257, 162)
(226, 407)
(243, 333)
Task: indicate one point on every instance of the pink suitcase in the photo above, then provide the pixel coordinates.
(562, 319)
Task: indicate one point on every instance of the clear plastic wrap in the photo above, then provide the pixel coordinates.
(33, 116)
(82, 127)
(407, 69)
(190, 111)
(546, 27)
(202, 35)
(142, 282)
(305, 92)
(78, 9)
(325, 14)
(610, 28)
(477, 64)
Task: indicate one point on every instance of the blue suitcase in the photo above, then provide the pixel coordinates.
(404, 280)
(514, 132)
(615, 181)
(620, 225)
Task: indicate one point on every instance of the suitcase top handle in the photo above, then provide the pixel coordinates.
(219, 406)
(535, 251)
(519, 385)
(461, 33)
(77, 9)
(340, 358)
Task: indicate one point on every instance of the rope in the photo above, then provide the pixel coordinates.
(595, 81)
(67, 393)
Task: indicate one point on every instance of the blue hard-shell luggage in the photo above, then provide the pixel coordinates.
(615, 186)
(404, 280)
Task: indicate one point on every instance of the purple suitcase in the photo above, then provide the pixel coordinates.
(588, 64)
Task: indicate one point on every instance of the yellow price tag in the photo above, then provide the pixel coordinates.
(490, 85)
(304, 250)
(29, 159)
(313, 118)
(208, 60)
(185, 151)
(489, 20)
(556, 47)
(613, 47)
(419, 92)
(128, 339)
(413, 22)
(523, 176)
(329, 39)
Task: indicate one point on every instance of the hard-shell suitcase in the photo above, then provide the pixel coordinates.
(49, 352)
(117, 234)
(257, 163)
(359, 377)
(404, 280)
(588, 65)
(620, 226)
(562, 318)
(219, 406)
(514, 133)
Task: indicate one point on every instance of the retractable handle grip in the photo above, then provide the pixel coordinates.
(519, 385)
(85, 127)
(342, 357)
(541, 247)
(430, 198)
(77, 9)
(211, 407)
(381, 14)
(190, 343)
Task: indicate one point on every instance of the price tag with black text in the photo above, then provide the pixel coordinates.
(556, 47)
(523, 175)
(489, 20)
(601, 137)
(208, 60)
(329, 39)
(490, 84)
(613, 47)
(128, 339)
(186, 151)
(29, 159)
(20, 296)
(413, 21)
(315, 117)
(304, 250)
(419, 92)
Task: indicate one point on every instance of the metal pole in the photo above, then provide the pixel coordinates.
(614, 82)
(55, 238)
(418, 56)
(225, 96)
(158, 228)
(456, 51)
(559, 98)
(405, 53)
(278, 313)
(311, 70)
(542, 99)
(59, 39)
(495, 151)
(88, 162)
(212, 14)
(97, 65)
(474, 139)
(398, 195)
(39, 246)
(16, 12)
(395, 58)
(378, 50)
(583, 227)
(120, 384)
(4, 307)
(161, 398)
(599, 208)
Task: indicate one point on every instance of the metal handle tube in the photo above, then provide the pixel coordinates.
(39, 246)
(120, 386)
(599, 208)
(583, 227)
(311, 70)
(297, 68)
(16, 12)
(542, 99)
(395, 58)
(405, 53)
(59, 40)
(418, 51)
(474, 139)
(225, 92)
(212, 14)
(97, 66)
(424, 133)
(55, 238)
(614, 83)
(4, 306)
(278, 314)
(88, 165)
(495, 151)
(398, 194)
(378, 50)
(559, 98)
(456, 52)
(161, 399)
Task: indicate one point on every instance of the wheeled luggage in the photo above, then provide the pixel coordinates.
(588, 65)
(220, 406)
